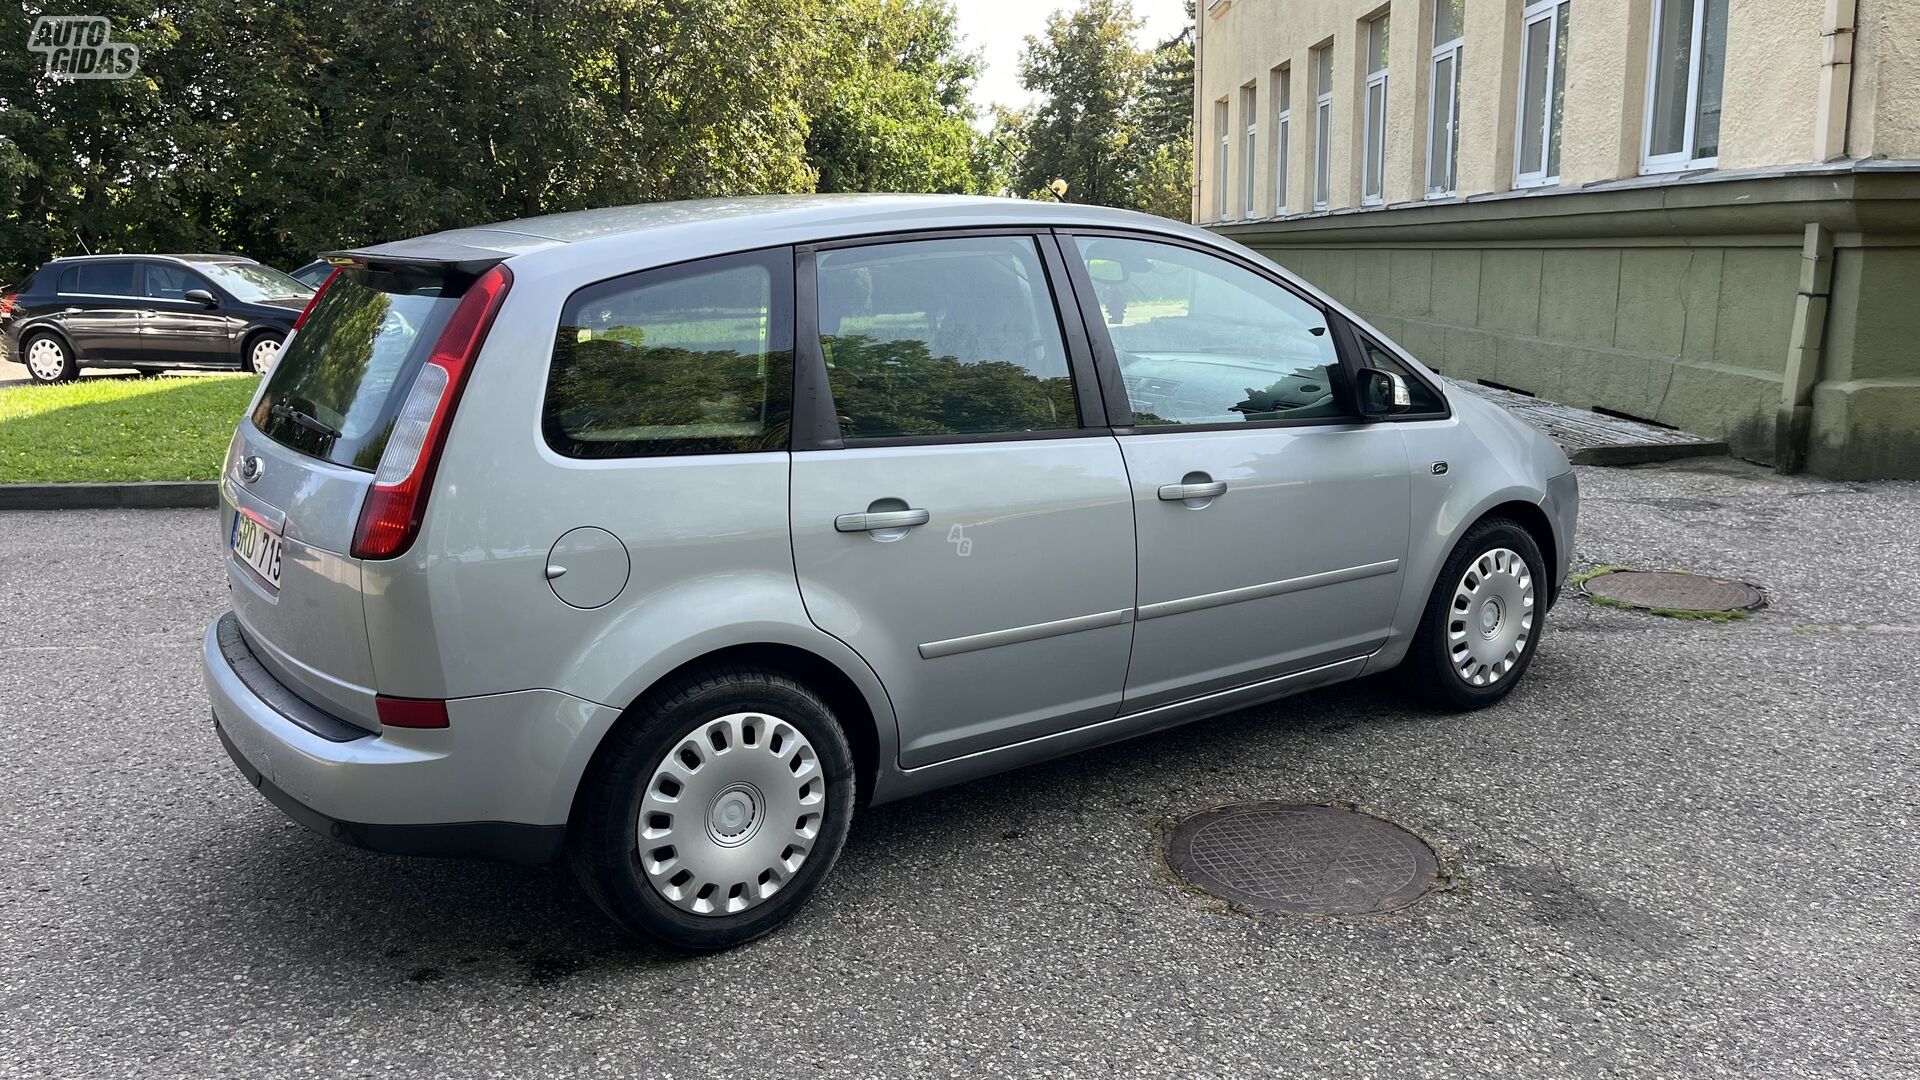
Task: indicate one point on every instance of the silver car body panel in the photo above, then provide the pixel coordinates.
(1312, 568)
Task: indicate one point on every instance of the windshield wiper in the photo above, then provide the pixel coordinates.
(287, 412)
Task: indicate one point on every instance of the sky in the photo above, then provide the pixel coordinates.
(999, 28)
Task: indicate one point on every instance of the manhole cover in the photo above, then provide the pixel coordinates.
(1668, 591)
(1313, 859)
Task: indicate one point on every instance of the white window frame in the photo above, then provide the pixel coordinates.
(1678, 160)
(1220, 160)
(1322, 130)
(1443, 51)
(1547, 11)
(1250, 104)
(1282, 121)
(1368, 134)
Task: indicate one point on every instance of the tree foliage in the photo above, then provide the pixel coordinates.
(278, 128)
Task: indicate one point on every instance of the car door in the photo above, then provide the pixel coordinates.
(1272, 521)
(961, 515)
(178, 330)
(99, 308)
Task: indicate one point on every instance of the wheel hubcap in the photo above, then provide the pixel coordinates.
(45, 359)
(1490, 620)
(731, 814)
(264, 355)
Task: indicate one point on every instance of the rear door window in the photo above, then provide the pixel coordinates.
(691, 359)
(99, 279)
(335, 388)
(943, 337)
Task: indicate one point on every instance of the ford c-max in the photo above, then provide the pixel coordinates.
(662, 538)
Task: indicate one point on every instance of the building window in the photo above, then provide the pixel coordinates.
(1247, 176)
(1443, 104)
(1686, 62)
(1322, 125)
(1374, 160)
(1224, 138)
(1282, 117)
(1543, 82)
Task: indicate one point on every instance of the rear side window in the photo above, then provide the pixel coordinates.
(692, 359)
(99, 279)
(943, 337)
(336, 386)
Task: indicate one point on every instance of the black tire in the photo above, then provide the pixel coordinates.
(1432, 675)
(68, 370)
(603, 843)
(254, 342)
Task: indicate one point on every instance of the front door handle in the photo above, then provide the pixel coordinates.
(875, 520)
(1182, 492)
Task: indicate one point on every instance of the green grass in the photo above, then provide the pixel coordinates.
(97, 429)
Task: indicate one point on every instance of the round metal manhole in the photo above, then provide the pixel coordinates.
(1659, 590)
(1318, 860)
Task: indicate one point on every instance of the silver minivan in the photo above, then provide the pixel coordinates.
(661, 538)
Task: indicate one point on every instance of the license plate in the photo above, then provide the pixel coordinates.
(257, 546)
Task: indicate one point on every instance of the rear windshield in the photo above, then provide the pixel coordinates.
(336, 386)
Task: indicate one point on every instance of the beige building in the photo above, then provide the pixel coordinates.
(1704, 213)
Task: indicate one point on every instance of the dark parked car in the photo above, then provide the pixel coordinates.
(150, 312)
(313, 273)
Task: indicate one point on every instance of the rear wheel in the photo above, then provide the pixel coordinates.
(715, 810)
(1483, 621)
(262, 351)
(48, 359)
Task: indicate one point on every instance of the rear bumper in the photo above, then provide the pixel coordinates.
(496, 783)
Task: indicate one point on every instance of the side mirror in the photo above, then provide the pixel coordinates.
(201, 297)
(1382, 393)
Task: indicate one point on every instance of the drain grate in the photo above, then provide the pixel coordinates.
(1659, 590)
(1318, 860)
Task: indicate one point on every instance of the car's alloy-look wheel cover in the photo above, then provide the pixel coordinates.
(265, 352)
(46, 359)
(1490, 620)
(731, 813)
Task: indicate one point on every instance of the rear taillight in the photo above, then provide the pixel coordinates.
(7, 303)
(410, 712)
(391, 515)
(317, 294)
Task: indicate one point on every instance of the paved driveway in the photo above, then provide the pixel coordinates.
(1685, 850)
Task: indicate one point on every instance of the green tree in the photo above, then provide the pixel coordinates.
(1089, 73)
(1163, 119)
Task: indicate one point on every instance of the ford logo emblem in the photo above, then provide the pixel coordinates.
(251, 468)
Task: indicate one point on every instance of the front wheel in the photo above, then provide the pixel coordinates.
(262, 351)
(1483, 621)
(715, 810)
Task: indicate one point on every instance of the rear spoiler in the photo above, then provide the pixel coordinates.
(425, 253)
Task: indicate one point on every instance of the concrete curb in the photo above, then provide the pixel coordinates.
(146, 495)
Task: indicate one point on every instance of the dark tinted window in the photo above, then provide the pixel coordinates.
(1202, 340)
(163, 282)
(943, 337)
(99, 279)
(348, 368)
(1425, 398)
(683, 360)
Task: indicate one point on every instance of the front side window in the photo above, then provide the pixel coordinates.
(99, 279)
(1543, 80)
(1373, 167)
(1443, 100)
(1688, 59)
(1282, 120)
(943, 337)
(1201, 340)
(693, 359)
(1323, 125)
(162, 282)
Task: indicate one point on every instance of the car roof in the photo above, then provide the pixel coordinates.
(693, 228)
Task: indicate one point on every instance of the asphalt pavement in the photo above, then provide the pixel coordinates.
(1681, 849)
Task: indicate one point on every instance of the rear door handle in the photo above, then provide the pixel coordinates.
(874, 520)
(1183, 492)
